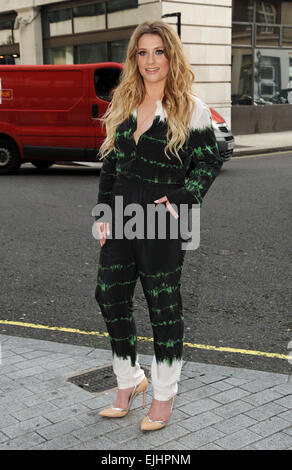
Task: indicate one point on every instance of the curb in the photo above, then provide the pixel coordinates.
(257, 150)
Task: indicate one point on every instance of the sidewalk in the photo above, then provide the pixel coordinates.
(217, 407)
(262, 143)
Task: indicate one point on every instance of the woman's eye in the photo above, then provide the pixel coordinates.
(158, 52)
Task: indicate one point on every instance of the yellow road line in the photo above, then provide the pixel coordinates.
(149, 340)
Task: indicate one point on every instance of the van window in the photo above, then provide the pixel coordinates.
(105, 81)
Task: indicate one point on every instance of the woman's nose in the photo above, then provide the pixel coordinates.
(151, 58)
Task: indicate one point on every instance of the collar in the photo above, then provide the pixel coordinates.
(159, 111)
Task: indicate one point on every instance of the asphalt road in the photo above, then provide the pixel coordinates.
(236, 288)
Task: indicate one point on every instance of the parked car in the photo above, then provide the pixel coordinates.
(48, 113)
(223, 136)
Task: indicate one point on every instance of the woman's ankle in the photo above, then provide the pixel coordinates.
(160, 410)
(123, 397)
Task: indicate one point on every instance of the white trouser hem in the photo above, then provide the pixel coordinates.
(163, 395)
(127, 375)
(165, 379)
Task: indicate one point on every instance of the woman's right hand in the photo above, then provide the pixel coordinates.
(103, 230)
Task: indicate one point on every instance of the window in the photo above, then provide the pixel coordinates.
(270, 77)
(80, 32)
(81, 17)
(119, 50)
(114, 51)
(91, 53)
(242, 66)
(268, 12)
(59, 55)
(105, 80)
(287, 37)
(7, 28)
(261, 52)
(117, 5)
(5, 24)
(242, 34)
(57, 23)
(243, 10)
(89, 17)
(267, 35)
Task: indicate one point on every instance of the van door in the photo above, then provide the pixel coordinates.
(103, 82)
(50, 108)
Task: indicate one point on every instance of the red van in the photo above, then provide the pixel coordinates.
(48, 113)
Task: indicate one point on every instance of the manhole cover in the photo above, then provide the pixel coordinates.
(99, 380)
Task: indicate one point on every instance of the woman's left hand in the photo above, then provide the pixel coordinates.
(169, 206)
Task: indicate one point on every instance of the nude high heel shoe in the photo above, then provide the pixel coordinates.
(149, 424)
(120, 412)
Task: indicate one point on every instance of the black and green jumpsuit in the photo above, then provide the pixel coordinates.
(141, 174)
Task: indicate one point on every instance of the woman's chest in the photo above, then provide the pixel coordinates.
(151, 144)
(144, 120)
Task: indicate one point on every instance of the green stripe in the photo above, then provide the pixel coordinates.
(158, 310)
(170, 343)
(168, 323)
(168, 289)
(161, 273)
(116, 303)
(113, 267)
(105, 286)
(131, 339)
(114, 320)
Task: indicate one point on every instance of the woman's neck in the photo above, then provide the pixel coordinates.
(153, 92)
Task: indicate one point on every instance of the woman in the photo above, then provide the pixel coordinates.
(160, 149)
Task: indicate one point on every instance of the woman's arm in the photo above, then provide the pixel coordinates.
(107, 179)
(206, 161)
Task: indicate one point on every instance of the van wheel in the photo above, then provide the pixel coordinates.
(42, 164)
(9, 157)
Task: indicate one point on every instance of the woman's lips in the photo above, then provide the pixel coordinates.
(152, 71)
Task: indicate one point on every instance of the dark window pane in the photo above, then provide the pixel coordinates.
(117, 5)
(287, 37)
(59, 15)
(6, 24)
(92, 53)
(59, 55)
(57, 22)
(105, 80)
(89, 18)
(286, 13)
(242, 10)
(267, 77)
(267, 35)
(241, 34)
(89, 10)
(268, 11)
(241, 76)
(119, 50)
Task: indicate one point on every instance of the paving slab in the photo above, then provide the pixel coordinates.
(217, 407)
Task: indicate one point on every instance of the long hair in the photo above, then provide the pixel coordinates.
(177, 101)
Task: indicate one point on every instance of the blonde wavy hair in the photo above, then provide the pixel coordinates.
(178, 98)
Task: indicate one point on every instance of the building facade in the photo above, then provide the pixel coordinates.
(261, 66)
(75, 31)
(239, 50)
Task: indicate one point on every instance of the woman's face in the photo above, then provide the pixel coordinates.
(152, 62)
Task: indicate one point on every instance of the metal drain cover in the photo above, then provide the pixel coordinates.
(99, 380)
